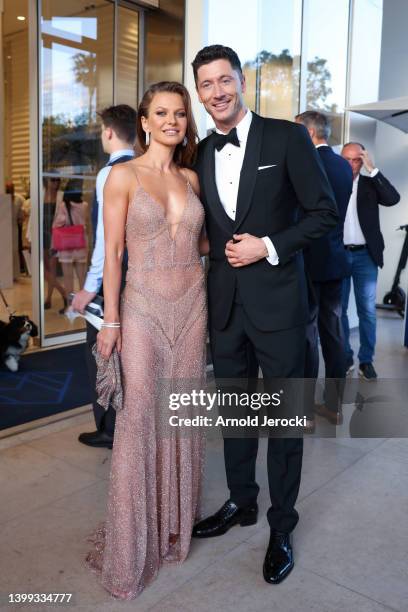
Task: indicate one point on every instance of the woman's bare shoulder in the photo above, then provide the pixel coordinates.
(121, 174)
(122, 171)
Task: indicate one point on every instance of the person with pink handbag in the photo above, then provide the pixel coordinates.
(69, 237)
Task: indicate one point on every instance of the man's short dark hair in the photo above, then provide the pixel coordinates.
(316, 120)
(352, 142)
(215, 52)
(122, 120)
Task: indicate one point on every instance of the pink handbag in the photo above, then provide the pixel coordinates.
(68, 237)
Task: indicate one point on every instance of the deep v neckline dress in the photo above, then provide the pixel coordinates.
(155, 475)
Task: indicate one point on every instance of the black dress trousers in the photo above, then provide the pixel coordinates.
(325, 322)
(280, 354)
(104, 419)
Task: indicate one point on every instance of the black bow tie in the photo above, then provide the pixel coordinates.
(220, 140)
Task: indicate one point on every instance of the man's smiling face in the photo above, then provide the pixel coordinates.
(220, 88)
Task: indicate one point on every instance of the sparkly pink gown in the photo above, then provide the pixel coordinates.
(155, 476)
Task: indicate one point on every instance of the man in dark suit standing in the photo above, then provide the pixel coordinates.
(255, 174)
(364, 245)
(327, 265)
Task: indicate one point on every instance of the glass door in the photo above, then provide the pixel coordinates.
(88, 60)
(15, 246)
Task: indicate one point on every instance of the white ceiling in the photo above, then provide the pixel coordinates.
(13, 8)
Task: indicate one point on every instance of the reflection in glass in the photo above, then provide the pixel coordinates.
(267, 40)
(278, 60)
(15, 272)
(366, 39)
(325, 46)
(164, 42)
(77, 80)
(127, 57)
(240, 34)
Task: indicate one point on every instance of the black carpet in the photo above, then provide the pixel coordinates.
(47, 382)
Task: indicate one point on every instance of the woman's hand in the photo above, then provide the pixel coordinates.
(107, 339)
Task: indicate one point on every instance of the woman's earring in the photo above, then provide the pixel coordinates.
(147, 138)
(185, 141)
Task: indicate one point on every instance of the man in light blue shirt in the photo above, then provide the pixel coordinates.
(118, 136)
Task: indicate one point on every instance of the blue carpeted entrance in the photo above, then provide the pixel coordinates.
(47, 382)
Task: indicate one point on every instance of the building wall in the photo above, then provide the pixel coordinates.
(391, 144)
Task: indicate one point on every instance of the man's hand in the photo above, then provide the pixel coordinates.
(246, 250)
(82, 299)
(368, 164)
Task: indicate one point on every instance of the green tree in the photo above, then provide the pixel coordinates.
(318, 85)
(279, 74)
(84, 69)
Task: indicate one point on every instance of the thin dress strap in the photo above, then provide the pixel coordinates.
(135, 173)
(185, 176)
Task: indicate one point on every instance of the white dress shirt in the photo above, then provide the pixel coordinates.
(94, 277)
(228, 165)
(353, 233)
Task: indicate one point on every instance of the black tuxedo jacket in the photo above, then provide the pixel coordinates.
(326, 258)
(274, 297)
(370, 193)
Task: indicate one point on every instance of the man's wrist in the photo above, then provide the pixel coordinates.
(265, 251)
(271, 256)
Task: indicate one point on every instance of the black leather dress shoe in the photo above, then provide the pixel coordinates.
(279, 558)
(97, 438)
(226, 517)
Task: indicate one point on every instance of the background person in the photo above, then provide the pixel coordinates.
(17, 203)
(364, 245)
(118, 135)
(326, 265)
(72, 211)
(52, 195)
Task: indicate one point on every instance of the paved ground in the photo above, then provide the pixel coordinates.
(351, 544)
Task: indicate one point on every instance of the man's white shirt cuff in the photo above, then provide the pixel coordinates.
(374, 172)
(272, 258)
(92, 284)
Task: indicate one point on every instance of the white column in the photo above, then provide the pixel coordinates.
(35, 161)
(196, 37)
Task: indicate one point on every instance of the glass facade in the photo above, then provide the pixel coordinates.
(294, 54)
(325, 55)
(80, 57)
(62, 62)
(77, 76)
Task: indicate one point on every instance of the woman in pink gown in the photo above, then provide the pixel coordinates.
(152, 206)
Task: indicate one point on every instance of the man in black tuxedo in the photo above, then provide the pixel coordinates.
(326, 265)
(255, 174)
(364, 246)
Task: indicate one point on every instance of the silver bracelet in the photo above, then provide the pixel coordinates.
(113, 325)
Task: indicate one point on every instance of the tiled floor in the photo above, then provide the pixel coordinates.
(351, 544)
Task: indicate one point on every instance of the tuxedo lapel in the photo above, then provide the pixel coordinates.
(210, 187)
(249, 169)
